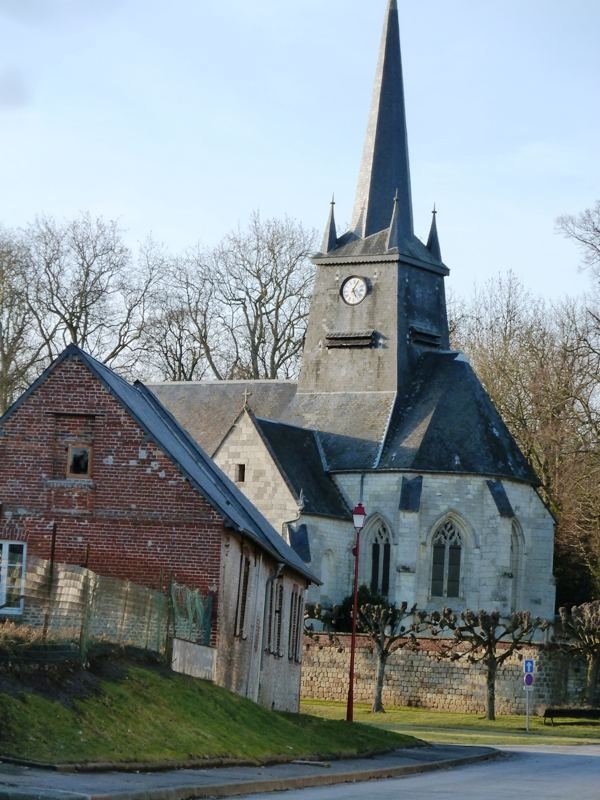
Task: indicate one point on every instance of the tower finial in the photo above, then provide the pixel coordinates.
(385, 165)
(330, 235)
(433, 242)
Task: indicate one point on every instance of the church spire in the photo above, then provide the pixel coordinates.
(385, 166)
(330, 235)
(433, 242)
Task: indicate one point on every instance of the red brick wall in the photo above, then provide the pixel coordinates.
(137, 517)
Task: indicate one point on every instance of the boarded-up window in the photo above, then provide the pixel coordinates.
(242, 597)
(296, 628)
(274, 613)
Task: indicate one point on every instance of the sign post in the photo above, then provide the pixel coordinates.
(528, 670)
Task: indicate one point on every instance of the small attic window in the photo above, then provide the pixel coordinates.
(79, 461)
(240, 473)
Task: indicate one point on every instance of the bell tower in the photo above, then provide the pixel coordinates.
(379, 298)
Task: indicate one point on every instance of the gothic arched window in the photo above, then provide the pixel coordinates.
(516, 556)
(446, 560)
(380, 560)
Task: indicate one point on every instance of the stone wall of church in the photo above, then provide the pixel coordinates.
(262, 482)
(506, 560)
(331, 543)
(418, 679)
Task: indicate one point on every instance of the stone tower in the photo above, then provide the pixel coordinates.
(379, 299)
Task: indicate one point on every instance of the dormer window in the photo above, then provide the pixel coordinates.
(79, 461)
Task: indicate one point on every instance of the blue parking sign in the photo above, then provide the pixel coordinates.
(529, 666)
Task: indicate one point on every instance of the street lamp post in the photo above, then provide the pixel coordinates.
(358, 517)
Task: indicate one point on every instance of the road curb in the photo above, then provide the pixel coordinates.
(327, 774)
(308, 781)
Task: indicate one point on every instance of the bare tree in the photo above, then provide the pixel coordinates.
(580, 637)
(484, 637)
(390, 628)
(584, 229)
(19, 350)
(537, 365)
(242, 306)
(86, 289)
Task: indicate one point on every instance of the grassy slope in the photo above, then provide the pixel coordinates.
(456, 728)
(120, 711)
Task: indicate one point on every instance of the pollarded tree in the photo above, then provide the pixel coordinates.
(484, 637)
(390, 628)
(580, 637)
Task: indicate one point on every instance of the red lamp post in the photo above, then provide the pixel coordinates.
(359, 516)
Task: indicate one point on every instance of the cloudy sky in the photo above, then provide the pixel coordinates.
(180, 118)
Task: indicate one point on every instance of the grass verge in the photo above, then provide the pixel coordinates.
(120, 711)
(455, 728)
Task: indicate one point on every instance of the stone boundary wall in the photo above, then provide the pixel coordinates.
(419, 679)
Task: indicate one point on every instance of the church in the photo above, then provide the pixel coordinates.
(383, 413)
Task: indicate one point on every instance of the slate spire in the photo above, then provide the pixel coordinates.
(433, 242)
(385, 166)
(330, 235)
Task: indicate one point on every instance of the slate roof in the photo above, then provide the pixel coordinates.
(298, 455)
(349, 248)
(208, 409)
(162, 427)
(447, 423)
(351, 425)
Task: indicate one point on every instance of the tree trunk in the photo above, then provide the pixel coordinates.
(377, 699)
(591, 678)
(491, 689)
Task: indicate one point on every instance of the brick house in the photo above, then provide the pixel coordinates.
(94, 471)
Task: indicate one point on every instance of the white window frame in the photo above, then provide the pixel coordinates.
(5, 546)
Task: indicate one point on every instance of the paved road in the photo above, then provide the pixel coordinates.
(525, 773)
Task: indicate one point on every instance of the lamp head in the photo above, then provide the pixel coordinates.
(359, 516)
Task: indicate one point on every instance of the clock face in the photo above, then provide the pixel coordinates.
(354, 289)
